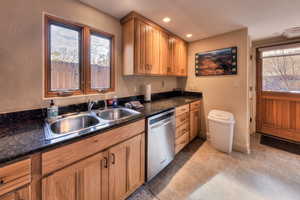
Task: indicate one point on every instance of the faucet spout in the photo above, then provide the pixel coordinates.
(90, 105)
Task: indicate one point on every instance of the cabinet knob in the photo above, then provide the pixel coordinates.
(1, 181)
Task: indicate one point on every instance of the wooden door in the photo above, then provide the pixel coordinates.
(278, 105)
(164, 53)
(194, 123)
(85, 180)
(140, 47)
(152, 50)
(20, 194)
(126, 170)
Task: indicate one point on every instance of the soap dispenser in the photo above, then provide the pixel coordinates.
(52, 110)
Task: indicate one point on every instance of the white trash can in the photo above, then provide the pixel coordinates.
(221, 126)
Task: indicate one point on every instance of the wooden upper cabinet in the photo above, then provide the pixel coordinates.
(148, 49)
(139, 55)
(164, 53)
(179, 49)
(152, 50)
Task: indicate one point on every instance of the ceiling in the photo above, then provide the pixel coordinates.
(264, 18)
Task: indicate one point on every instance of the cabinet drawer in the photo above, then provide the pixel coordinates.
(184, 128)
(181, 119)
(182, 109)
(61, 157)
(181, 142)
(15, 175)
(195, 105)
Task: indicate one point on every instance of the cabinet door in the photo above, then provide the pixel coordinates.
(135, 162)
(164, 53)
(140, 47)
(85, 180)
(194, 123)
(117, 172)
(152, 51)
(126, 170)
(183, 59)
(20, 194)
(171, 69)
(178, 57)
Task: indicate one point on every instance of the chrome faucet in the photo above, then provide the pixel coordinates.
(105, 104)
(90, 105)
(102, 91)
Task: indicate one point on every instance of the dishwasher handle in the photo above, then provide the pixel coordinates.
(160, 124)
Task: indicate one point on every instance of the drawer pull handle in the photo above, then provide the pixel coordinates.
(105, 162)
(1, 182)
(183, 142)
(113, 158)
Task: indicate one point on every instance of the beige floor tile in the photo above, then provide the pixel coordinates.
(200, 172)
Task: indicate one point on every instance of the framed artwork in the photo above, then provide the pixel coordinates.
(218, 62)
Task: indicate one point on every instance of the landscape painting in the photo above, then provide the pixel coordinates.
(218, 62)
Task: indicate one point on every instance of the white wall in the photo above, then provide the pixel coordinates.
(21, 52)
(228, 93)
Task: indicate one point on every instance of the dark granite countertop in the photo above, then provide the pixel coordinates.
(159, 106)
(26, 137)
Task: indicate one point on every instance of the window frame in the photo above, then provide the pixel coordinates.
(259, 77)
(89, 89)
(84, 60)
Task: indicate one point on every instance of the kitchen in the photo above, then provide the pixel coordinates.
(108, 149)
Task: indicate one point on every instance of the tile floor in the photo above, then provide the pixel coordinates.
(200, 172)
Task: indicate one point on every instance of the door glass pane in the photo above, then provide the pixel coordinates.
(65, 58)
(100, 62)
(281, 70)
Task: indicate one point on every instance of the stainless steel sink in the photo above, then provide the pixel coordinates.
(81, 123)
(115, 114)
(72, 124)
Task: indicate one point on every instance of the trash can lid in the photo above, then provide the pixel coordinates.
(221, 115)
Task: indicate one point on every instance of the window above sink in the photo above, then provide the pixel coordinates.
(78, 59)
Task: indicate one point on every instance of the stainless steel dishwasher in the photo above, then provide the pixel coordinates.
(160, 142)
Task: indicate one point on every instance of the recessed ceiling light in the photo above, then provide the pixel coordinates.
(166, 19)
(189, 35)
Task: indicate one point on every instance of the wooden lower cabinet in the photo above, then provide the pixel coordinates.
(194, 123)
(126, 170)
(195, 119)
(187, 124)
(113, 174)
(85, 180)
(20, 194)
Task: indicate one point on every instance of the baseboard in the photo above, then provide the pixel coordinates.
(235, 147)
(241, 148)
(281, 144)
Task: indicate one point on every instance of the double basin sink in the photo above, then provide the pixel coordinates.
(85, 122)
